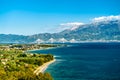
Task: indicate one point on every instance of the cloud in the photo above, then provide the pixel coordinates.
(75, 25)
(72, 24)
(106, 18)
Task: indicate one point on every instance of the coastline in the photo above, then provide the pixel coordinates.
(43, 67)
(41, 49)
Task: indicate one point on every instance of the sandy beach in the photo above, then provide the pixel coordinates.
(43, 67)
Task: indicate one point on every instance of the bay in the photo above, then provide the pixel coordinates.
(85, 61)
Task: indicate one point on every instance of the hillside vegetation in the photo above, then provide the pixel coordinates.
(16, 64)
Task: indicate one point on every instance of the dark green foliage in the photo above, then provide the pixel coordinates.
(38, 60)
(20, 75)
(34, 55)
(18, 65)
(22, 55)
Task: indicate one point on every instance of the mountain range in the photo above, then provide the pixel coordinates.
(108, 30)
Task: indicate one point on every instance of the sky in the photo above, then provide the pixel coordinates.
(27, 17)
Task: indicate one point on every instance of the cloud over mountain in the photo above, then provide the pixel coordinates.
(106, 18)
(72, 25)
(96, 20)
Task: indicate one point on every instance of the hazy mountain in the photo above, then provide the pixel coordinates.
(96, 31)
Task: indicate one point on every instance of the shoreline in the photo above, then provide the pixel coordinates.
(42, 68)
(41, 49)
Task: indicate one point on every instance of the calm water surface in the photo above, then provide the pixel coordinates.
(85, 61)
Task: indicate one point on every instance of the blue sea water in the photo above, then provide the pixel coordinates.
(85, 61)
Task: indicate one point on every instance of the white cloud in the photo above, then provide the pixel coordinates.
(71, 26)
(106, 18)
(96, 20)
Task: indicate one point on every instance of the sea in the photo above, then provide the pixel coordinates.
(85, 61)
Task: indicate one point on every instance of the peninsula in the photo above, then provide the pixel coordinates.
(18, 64)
